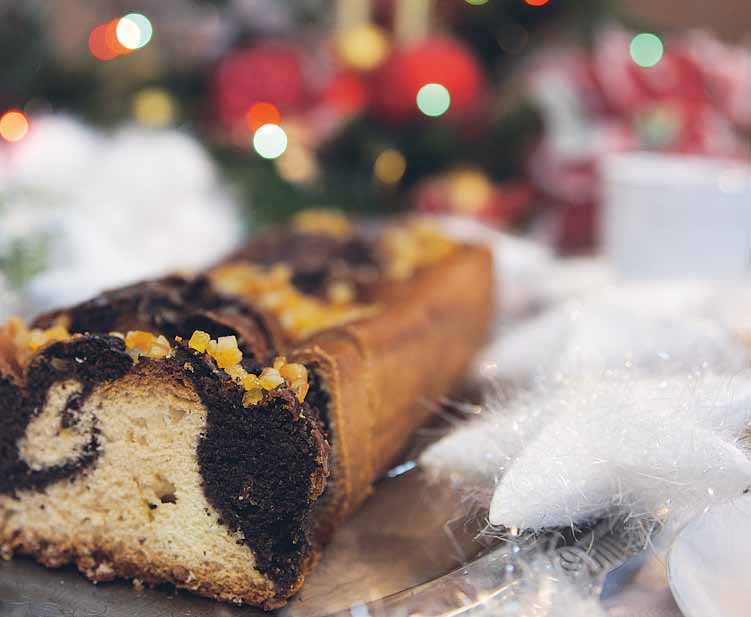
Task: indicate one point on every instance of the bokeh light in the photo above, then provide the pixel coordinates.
(363, 47)
(536, 2)
(477, 2)
(470, 190)
(262, 113)
(111, 40)
(270, 141)
(297, 165)
(120, 36)
(128, 33)
(98, 44)
(134, 31)
(13, 125)
(154, 107)
(646, 49)
(389, 166)
(433, 99)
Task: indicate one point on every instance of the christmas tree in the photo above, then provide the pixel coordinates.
(372, 98)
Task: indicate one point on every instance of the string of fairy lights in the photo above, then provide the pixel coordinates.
(361, 45)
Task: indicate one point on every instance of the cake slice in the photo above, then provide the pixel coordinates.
(213, 432)
(155, 468)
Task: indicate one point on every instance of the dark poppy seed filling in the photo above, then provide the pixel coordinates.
(88, 360)
(318, 398)
(173, 306)
(70, 414)
(263, 467)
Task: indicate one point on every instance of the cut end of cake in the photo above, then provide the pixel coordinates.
(153, 469)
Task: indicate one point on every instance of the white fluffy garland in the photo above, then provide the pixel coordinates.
(112, 208)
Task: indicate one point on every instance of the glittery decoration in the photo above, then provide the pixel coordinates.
(541, 589)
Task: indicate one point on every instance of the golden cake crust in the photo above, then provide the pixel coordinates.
(388, 373)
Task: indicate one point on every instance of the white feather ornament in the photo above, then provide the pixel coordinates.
(579, 449)
(643, 445)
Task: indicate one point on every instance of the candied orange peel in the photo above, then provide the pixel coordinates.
(199, 341)
(38, 337)
(228, 356)
(141, 343)
(300, 315)
(226, 353)
(340, 292)
(412, 245)
(19, 343)
(324, 222)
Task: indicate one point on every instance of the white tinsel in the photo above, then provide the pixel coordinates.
(616, 399)
(475, 455)
(644, 445)
(112, 209)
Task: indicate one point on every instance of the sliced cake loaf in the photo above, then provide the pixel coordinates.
(212, 432)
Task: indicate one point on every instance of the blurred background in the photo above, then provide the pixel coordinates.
(138, 137)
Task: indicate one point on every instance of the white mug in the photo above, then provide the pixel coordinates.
(677, 216)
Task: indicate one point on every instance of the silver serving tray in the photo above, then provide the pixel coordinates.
(411, 549)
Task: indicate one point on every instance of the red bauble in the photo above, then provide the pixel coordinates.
(469, 192)
(342, 97)
(345, 94)
(434, 60)
(270, 72)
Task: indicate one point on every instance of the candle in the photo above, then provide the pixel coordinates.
(351, 13)
(412, 20)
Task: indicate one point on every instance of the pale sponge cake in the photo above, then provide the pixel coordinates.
(155, 470)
